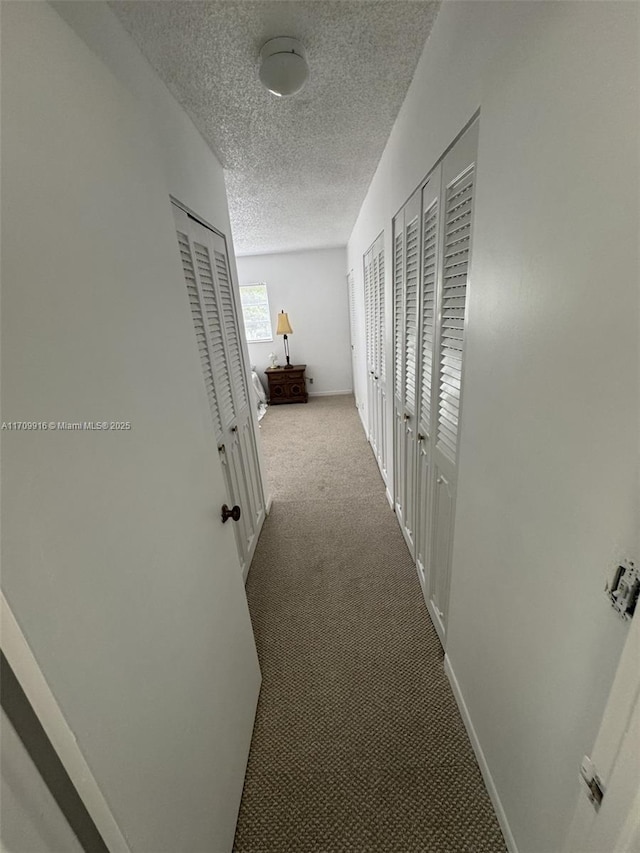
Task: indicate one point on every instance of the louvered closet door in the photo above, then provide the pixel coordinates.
(368, 319)
(406, 420)
(375, 292)
(373, 270)
(381, 365)
(353, 332)
(398, 364)
(426, 337)
(458, 187)
(242, 457)
(213, 309)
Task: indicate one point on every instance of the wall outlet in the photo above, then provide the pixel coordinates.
(310, 378)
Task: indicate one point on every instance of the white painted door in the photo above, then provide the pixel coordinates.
(406, 285)
(368, 326)
(398, 365)
(213, 309)
(373, 272)
(429, 259)
(456, 211)
(380, 362)
(615, 826)
(353, 326)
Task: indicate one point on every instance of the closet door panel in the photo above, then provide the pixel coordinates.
(381, 371)
(368, 319)
(456, 204)
(430, 255)
(353, 331)
(443, 517)
(411, 285)
(215, 317)
(373, 272)
(398, 369)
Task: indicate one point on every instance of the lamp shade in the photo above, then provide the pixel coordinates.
(284, 326)
(283, 67)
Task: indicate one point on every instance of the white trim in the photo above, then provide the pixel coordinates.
(482, 761)
(436, 619)
(362, 421)
(31, 679)
(266, 302)
(330, 393)
(267, 508)
(299, 251)
(389, 498)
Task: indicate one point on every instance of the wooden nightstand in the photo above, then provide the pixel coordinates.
(287, 384)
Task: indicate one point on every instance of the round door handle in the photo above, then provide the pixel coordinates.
(234, 429)
(233, 513)
(406, 417)
(421, 437)
(440, 481)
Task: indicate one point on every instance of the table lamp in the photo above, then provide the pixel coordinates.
(284, 329)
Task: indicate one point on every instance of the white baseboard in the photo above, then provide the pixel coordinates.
(482, 761)
(389, 498)
(330, 393)
(269, 504)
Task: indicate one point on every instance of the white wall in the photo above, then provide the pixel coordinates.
(115, 563)
(547, 495)
(312, 288)
(31, 818)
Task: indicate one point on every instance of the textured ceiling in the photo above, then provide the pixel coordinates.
(297, 169)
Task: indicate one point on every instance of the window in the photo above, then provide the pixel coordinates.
(255, 310)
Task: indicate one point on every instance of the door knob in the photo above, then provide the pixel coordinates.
(406, 416)
(440, 481)
(230, 513)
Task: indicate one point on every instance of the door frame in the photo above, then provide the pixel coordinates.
(226, 453)
(615, 760)
(34, 685)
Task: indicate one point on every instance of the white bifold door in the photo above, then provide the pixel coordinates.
(406, 268)
(374, 303)
(205, 264)
(432, 241)
(353, 326)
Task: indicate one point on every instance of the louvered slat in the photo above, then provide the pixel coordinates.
(411, 313)
(459, 200)
(214, 326)
(231, 329)
(199, 327)
(429, 261)
(397, 311)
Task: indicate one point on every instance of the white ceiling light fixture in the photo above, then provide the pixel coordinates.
(283, 66)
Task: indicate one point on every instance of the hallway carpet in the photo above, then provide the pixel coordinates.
(358, 745)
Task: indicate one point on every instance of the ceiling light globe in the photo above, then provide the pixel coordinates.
(283, 68)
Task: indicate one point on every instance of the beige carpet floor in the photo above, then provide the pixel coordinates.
(358, 745)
